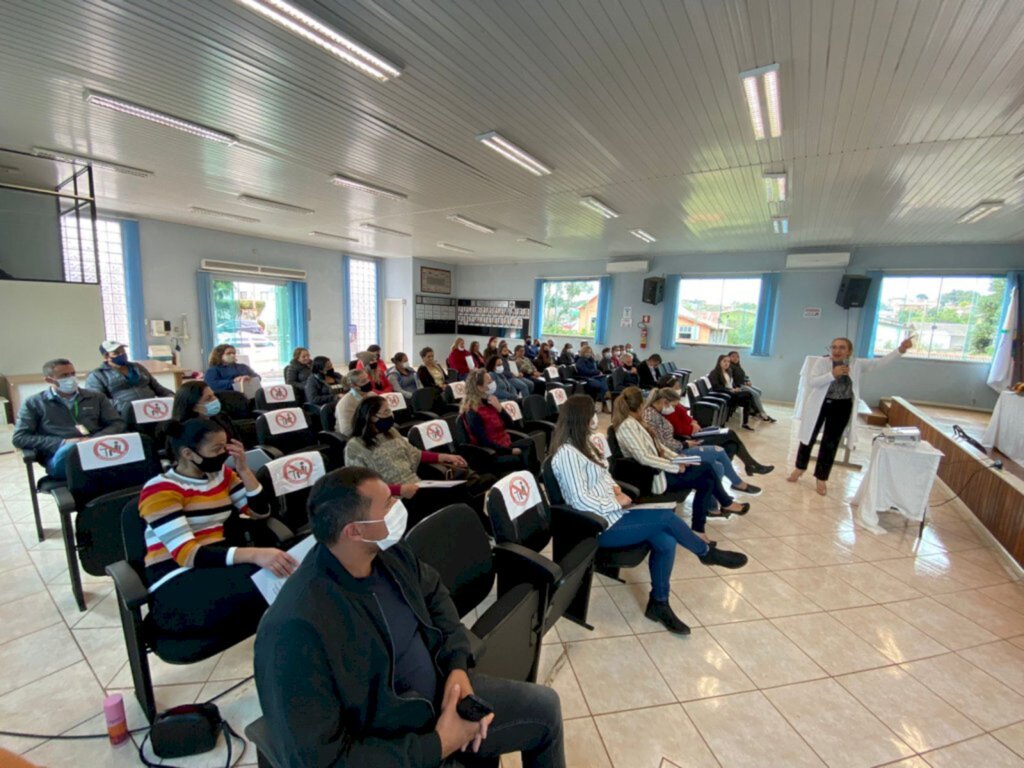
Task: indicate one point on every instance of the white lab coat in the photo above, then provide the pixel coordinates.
(815, 378)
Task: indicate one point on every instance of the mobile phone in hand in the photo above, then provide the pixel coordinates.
(473, 709)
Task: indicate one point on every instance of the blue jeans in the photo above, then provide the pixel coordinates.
(597, 387)
(718, 460)
(662, 530)
(521, 386)
(707, 489)
(55, 466)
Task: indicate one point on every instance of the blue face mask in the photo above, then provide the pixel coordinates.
(385, 425)
(120, 360)
(212, 408)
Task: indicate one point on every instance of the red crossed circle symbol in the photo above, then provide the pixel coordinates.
(394, 400)
(155, 410)
(510, 408)
(285, 419)
(519, 490)
(278, 393)
(435, 433)
(297, 470)
(110, 449)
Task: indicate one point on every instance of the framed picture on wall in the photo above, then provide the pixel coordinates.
(435, 280)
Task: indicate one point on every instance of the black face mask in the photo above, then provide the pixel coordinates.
(367, 387)
(384, 425)
(211, 464)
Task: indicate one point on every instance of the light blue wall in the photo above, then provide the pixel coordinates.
(30, 246)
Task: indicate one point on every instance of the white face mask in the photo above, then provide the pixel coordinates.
(668, 410)
(492, 388)
(593, 423)
(228, 359)
(68, 385)
(396, 519)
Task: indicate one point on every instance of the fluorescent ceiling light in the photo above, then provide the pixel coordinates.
(594, 204)
(311, 29)
(136, 110)
(761, 88)
(458, 218)
(222, 214)
(274, 205)
(1018, 178)
(780, 224)
(531, 241)
(383, 230)
(647, 237)
(9, 169)
(775, 187)
(333, 236)
(456, 248)
(364, 186)
(516, 154)
(95, 162)
(980, 211)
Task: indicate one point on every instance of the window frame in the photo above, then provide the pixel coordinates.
(347, 300)
(713, 344)
(591, 334)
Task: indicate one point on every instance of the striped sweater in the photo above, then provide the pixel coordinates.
(185, 520)
(636, 443)
(586, 485)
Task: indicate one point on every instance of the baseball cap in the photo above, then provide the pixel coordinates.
(110, 346)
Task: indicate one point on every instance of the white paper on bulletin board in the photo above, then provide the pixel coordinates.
(812, 313)
(627, 318)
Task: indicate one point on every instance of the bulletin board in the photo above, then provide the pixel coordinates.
(503, 318)
(435, 315)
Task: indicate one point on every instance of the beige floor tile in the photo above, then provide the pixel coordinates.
(975, 693)
(20, 582)
(889, 634)
(764, 654)
(13, 556)
(993, 559)
(920, 575)
(828, 592)
(644, 738)
(910, 762)
(985, 612)
(583, 745)
(85, 752)
(982, 751)
(1013, 737)
(1010, 595)
(695, 667)
(1004, 661)
(838, 727)
(36, 655)
(942, 623)
(236, 662)
(631, 600)
(617, 674)
(873, 582)
(961, 569)
(830, 644)
(770, 595)
(556, 671)
(738, 528)
(922, 719)
(105, 651)
(713, 601)
(819, 548)
(26, 615)
(737, 728)
(773, 521)
(94, 593)
(169, 674)
(606, 619)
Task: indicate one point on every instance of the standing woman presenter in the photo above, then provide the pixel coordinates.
(831, 391)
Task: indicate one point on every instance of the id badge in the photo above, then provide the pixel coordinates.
(82, 430)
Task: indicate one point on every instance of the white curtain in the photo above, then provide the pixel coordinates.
(1001, 373)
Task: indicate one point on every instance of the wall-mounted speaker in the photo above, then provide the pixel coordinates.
(853, 291)
(654, 290)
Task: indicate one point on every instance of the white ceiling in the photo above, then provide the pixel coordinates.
(898, 116)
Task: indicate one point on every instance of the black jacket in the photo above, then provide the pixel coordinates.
(111, 382)
(739, 376)
(718, 382)
(324, 665)
(648, 376)
(320, 392)
(44, 422)
(296, 374)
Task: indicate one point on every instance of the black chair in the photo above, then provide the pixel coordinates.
(141, 635)
(572, 535)
(452, 395)
(405, 418)
(454, 542)
(556, 399)
(708, 411)
(274, 396)
(102, 473)
(44, 484)
(290, 478)
(440, 435)
(608, 561)
(150, 417)
(538, 412)
(286, 429)
(538, 431)
(618, 383)
(553, 379)
(482, 459)
(235, 405)
(572, 380)
(428, 403)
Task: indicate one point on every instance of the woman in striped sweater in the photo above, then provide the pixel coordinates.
(587, 485)
(197, 515)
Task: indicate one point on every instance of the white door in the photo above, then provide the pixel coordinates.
(394, 323)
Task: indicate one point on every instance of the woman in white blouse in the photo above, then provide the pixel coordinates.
(587, 485)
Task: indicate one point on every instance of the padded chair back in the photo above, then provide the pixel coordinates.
(110, 463)
(425, 400)
(556, 398)
(435, 435)
(550, 483)
(454, 392)
(286, 429)
(150, 417)
(274, 396)
(618, 379)
(133, 536)
(327, 417)
(291, 478)
(551, 373)
(234, 405)
(535, 408)
(518, 513)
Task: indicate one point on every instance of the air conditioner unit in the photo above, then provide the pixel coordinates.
(254, 270)
(616, 267)
(824, 260)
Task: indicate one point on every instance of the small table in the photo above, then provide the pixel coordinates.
(1006, 427)
(900, 477)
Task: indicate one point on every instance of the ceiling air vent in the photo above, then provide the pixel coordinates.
(254, 270)
(824, 260)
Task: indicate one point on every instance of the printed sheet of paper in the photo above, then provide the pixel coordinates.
(268, 584)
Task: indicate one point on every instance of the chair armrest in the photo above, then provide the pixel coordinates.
(634, 473)
(517, 435)
(539, 425)
(65, 501)
(128, 584)
(428, 415)
(281, 531)
(589, 523)
(516, 564)
(630, 490)
(477, 646)
(29, 456)
(477, 456)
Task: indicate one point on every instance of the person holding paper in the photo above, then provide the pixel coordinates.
(198, 516)
(478, 358)
(522, 383)
(459, 359)
(596, 383)
(528, 370)
(362, 660)
(587, 485)
(831, 391)
(430, 373)
(224, 370)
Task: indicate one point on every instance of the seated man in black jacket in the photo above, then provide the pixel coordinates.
(648, 372)
(362, 659)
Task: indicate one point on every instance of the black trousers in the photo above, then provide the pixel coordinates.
(205, 602)
(834, 416)
(732, 445)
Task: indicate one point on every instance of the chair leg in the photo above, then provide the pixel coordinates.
(71, 550)
(34, 493)
(578, 609)
(138, 659)
(610, 572)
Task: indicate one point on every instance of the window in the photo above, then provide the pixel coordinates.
(79, 267)
(953, 317)
(570, 308)
(718, 310)
(255, 319)
(363, 309)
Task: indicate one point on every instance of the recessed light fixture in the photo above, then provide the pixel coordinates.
(311, 29)
(763, 83)
(780, 225)
(333, 236)
(137, 110)
(95, 162)
(383, 230)
(222, 215)
(273, 205)
(342, 180)
(647, 237)
(980, 211)
(456, 248)
(594, 204)
(512, 152)
(531, 241)
(458, 218)
(776, 186)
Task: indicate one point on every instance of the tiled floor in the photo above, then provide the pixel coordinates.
(832, 647)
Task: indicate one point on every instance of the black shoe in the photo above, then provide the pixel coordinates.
(744, 508)
(750, 490)
(747, 426)
(663, 614)
(724, 558)
(759, 469)
(719, 516)
(769, 419)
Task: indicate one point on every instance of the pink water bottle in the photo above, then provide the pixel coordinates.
(117, 722)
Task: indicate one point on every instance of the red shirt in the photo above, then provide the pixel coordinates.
(487, 428)
(681, 421)
(457, 360)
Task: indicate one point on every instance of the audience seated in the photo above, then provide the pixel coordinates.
(530, 348)
(52, 421)
(741, 380)
(648, 372)
(586, 485)
(122, 381)
(459, 359)
(368, 356)
(529, 370)
(486, 424)
(595, 382)
(474, 351)
(543, 359)
(225, 371)
(522, 383)
(299, 369)
(402, 376)
(628, 372)
(491, 348)
(384, 658)
(358, 387)
(606, 365)
(430, 373)
(566, 356)
(323, 385)
(196, 400)
(199, 515)
(616, 357)
(503, 389)
(721, 381)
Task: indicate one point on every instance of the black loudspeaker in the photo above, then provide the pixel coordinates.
(853, 291)
(654, 290)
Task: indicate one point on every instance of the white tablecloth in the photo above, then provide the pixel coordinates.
(900, 477)
(1006, 428)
